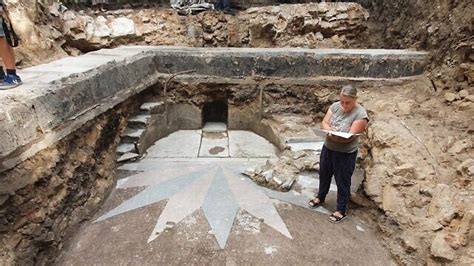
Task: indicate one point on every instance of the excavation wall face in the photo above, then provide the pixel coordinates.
(58, 188)
(60, 129)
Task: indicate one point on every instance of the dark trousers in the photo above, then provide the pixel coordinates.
(341, 165)
(223, 5)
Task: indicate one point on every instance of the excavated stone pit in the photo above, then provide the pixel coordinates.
(57, 166)
(60, 130)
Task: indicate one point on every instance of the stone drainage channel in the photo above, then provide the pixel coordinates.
(182, 144)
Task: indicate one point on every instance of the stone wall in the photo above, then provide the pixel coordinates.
(328, 25)
(141, 3)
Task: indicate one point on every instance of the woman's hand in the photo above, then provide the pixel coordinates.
(340, 139)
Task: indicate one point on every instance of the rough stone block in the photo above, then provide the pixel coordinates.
(125, 148)
(133, 135)
(153, 107)
(139, 121)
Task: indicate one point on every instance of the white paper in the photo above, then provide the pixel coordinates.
(323, 133)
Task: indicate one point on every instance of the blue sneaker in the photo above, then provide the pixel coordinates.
(10, 81)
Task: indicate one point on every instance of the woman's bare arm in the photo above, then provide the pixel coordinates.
(357, 127)
(326, 120)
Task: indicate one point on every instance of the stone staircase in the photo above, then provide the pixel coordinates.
(134, 140)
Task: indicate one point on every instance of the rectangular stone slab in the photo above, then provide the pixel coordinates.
(214, 144)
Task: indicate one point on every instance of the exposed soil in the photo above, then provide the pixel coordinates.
(72, 180)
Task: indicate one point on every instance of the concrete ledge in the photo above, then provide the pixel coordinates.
(59, 97)
(292, 62)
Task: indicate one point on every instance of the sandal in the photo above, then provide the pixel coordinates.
(313, 204)
(333, 218)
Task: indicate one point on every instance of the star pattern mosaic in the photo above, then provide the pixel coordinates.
(216, 187)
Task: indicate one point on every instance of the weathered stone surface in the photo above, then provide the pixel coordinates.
(283, 172)
(128, 156)
(468, 69)
(410, 243)
(461, 146)
(293, 62)
(469, 98)
(153, 107)
(125, 148)
(392, 201)
(442, 206)
(374, 183)
(466, 168)
(406, 170)
(464, 106)
(441, 249)
(276, 25)
(463, 93)
(122, 27)
(466, 228)
(309, 25)
(450, 97)
(100, 28)
(405, 108)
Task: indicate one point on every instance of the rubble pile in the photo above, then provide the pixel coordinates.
(282, 172)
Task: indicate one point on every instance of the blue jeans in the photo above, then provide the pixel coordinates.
(341, 165)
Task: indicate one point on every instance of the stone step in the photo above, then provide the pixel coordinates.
(125, 148)
(132, 135)
(139, 121)
(128, 156)
(153, 107)
(214, 127)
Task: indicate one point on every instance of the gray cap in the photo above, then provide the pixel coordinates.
(350, 91)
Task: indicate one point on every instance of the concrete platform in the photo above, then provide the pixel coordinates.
(198, 144)
(59, 97)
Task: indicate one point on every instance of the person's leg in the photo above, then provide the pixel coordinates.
(2, 72)
(2, 36)
(7, 54)
(225, 5)
(218, 5)
(343, 170)
(325, 173)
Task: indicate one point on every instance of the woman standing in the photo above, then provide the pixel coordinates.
(338, 156)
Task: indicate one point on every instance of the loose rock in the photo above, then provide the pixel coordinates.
(441, 249)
